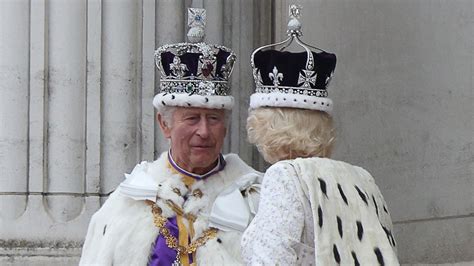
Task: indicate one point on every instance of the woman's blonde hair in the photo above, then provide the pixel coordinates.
(288, 133)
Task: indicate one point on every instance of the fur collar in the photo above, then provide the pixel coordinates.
(122, 231)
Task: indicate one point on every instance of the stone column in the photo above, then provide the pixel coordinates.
(14, 91)
(66, 107)
(93, 99)
(147, 81)
(171, 27)
(120, 49)
(245, 28)
(215, 21)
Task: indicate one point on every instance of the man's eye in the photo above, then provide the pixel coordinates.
(191, 118)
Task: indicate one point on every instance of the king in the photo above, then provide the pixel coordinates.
(175, 211)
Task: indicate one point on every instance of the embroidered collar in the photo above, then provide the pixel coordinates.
(219, 167)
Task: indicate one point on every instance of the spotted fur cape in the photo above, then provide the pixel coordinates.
(351, 221)
(122, 231)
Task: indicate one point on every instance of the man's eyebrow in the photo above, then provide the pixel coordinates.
(190, 113)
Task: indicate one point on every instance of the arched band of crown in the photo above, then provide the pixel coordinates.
(294, 33)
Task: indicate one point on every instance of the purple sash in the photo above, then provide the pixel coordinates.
(161, 254)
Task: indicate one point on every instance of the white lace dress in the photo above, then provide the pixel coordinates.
(281, 224)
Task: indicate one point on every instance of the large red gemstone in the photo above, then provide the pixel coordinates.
(207, 69)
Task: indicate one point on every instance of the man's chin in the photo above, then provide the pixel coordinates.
(202, 150)
(204, 158)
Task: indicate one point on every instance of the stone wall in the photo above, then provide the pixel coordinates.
(403, 96)
(78, 78)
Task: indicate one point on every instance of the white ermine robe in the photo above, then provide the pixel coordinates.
(122, 232)
(318, 211)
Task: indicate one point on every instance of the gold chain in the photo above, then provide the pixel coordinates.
(171, 241)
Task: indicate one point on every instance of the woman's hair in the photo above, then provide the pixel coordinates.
(288, 133)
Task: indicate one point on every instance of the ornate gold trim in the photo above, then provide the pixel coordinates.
(171, 241)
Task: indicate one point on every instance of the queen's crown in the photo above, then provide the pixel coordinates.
(306, 73)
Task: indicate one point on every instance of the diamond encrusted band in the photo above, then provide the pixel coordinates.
(199, 87)
(292, 90)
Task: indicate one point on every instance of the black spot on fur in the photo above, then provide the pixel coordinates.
(385, 209)
(356, 261)
(105, 229)
(163, 102)
(342, 194)
(336, 254)
(322, 185)
(362, 195)
(320, 216)
(219, 241)
(222, 105)
(207, 99)
(375, 204)
(390, 238)
(339, 225)
(172, 97)
(188, 104)
(360, 230)
(379, 256)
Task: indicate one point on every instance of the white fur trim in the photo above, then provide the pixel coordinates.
(185, 100)
(122, 231)
(290, 100)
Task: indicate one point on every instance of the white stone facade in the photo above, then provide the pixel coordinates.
(78, 78)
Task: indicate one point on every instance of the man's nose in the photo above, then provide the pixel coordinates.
(203, 129)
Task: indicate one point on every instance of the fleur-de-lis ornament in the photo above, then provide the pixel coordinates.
(275, 76)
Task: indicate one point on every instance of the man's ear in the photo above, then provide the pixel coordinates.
(165, 128)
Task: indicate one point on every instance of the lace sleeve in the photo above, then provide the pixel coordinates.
(278, 223)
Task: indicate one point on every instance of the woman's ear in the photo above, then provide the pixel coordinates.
(165, 128)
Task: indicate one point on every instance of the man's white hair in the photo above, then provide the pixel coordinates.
(167, 113)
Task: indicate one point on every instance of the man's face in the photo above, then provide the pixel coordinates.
(196, 135)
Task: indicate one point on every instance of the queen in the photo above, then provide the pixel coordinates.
(313, 210)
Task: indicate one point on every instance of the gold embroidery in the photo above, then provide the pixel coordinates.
(172, 242)
(197, 193)
(176, 190)
(175, 207)
(180, 212)
(182, 239)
